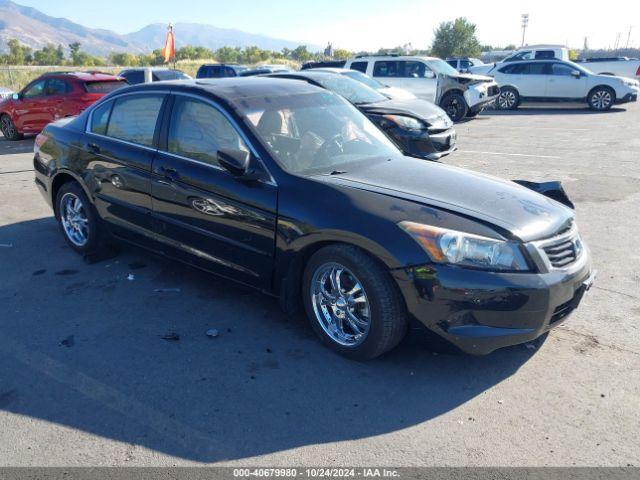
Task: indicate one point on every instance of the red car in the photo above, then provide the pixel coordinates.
(53, 96)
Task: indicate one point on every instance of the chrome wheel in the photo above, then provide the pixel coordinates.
(74, 219)
(7, 126)
(507, 100)
(601, 99)
(340, 304)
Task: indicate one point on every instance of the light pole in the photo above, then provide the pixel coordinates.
(525, 23)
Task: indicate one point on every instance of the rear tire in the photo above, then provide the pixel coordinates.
(9, 129)
(455, 105)
(601, 99)
(508, 99)
(378, 307)
(78, 220)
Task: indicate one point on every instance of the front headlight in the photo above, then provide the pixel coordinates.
(466, 249)
(409, 123)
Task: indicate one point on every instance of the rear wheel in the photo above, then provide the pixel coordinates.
(9, 129)
(77, 219)
(455, 105)
(508, 99)
(601, 98)
(352, 302)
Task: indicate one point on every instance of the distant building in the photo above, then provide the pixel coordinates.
(328, 52)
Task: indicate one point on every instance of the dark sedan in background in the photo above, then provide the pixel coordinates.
(419, 128)
(287, 187)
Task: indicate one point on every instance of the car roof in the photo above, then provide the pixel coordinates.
(84, 76)
(134, 69)
(392, 57)
(230, 89)
(332, 70)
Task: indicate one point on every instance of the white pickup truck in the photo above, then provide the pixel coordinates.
(619, 66)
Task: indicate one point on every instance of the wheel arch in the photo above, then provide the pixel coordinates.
(60, 178)
(288, 279)
(603, 85)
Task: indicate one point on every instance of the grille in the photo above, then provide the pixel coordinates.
(562, 253)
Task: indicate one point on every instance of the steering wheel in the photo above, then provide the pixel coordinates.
(333, 146)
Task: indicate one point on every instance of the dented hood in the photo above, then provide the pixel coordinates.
(524, 213)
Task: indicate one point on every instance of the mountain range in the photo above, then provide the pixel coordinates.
(36, 29)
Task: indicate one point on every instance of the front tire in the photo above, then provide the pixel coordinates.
(9, 129)
(508, 99)
(601, 99)
(77, 219)
(455, 105)
(352, 302)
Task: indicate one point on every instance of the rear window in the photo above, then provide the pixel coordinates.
(104, 87)
(160, 75)
(134, 117)
(360, 66)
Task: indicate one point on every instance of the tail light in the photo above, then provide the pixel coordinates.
(41, 139)
(638, 72)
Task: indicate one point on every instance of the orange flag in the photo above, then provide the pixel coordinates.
(169, 50)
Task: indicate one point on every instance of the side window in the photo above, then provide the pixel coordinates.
(386, 69)
(134, 77)
(526, 55)
(518, 69)
(35, 90)
(538, 68)
(360, 66)
(453, 63)
(100, 118)
(134, 118)
(197, 130)
(561, 69)
(55, 86)
(413, 69)
(545, 54)
(229, 72)
(464, 64)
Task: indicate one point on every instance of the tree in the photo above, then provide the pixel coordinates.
(47, 55)
(19, 54)
(301, 54)
(342, 54)
(456, 39)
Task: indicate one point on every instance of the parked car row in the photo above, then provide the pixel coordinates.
(286, 186)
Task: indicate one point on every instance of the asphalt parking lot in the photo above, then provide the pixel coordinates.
(87, 379)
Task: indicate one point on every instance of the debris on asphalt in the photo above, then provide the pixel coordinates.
(212, 333)
(166, 290)
(171, 337)
(500, 402)
(68, 342)
(131, 277)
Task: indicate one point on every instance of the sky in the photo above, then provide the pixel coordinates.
(371, 24)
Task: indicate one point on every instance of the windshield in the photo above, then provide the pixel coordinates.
(316, 133)
(356, 92)
(441, 67)
(362, 78)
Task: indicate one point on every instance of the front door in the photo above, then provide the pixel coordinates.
(33, 111)
(562, 84)
(205, 214)
(533, 79)
(120, 148)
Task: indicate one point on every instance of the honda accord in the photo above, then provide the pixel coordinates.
(288, 188)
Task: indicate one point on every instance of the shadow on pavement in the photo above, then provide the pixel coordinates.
(550, 111)
(11, 148)
(82, 347)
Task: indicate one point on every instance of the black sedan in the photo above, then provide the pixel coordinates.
(290, 189)
(419, 128)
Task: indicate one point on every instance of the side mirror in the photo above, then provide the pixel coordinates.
(234, 161)
(15, 96)
(575, 73)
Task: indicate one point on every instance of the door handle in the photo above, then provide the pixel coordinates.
(93, 148)
(169, 173)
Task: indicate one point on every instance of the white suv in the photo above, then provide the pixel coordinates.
(460, 95)
(559, 81)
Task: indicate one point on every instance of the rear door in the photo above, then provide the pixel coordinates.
(419, 79)
(57, 92)
(120, 145)
(531, 79)
(206, 215)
